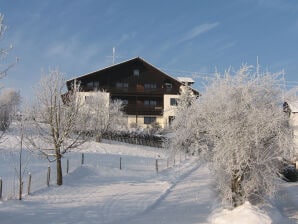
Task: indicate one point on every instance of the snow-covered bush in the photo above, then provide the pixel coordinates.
(240, 125)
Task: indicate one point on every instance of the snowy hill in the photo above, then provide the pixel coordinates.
(99, 192)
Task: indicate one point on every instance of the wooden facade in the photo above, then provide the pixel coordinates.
(137, 83)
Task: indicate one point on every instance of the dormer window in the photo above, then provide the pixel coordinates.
(136, 72)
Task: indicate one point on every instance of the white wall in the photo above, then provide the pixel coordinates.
(294, 123)
(162, 120)
(168, 109)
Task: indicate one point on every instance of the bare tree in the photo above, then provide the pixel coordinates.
(59, 125)
(240, 124)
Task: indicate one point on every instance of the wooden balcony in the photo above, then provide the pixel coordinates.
(133, 109)
(131, 90)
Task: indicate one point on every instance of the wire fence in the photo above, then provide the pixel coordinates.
(41, 174)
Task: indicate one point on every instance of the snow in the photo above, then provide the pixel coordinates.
(237, 215)
(99, 192)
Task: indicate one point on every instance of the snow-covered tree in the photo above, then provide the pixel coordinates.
(186, 98)
(117, 118)
(9, 102)
(183, 110)
(104, 114)
(59, 124)
(5, 106)
(239, 122)
(4, 51)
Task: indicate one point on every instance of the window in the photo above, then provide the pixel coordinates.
(88, 99)
(171, 119)
(149, 120)
(96, 85)
(122, 85)
(124, 101)
(136, 72)
(150, 86)
(168, 85)
(89, 85)
(150, 102)
(173, 102)
(92, 85)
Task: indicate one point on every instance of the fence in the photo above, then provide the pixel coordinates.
(44, 175)
(135, 138)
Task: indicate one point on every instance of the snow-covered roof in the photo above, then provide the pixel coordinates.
(293, 106)
(186, 80)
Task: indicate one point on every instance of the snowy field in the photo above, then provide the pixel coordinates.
(99, 192)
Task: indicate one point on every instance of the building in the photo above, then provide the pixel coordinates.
(149, 95)
(291, 108)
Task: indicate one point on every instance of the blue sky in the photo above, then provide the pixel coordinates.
(180, 37)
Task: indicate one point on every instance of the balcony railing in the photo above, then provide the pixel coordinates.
(134, 89)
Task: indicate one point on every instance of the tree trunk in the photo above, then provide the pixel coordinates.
(237, 191)
(98, 138)
(59, 170)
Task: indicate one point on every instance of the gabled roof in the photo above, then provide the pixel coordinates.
(137, 59)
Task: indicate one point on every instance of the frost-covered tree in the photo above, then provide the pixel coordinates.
(117, 118)
(4, 51)
(186, 98)
(104, 114)
(9, 103)
(239, 122)
(5, 106)
(59, 124)
(183, 110)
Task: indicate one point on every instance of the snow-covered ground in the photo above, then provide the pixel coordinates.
(99, 192)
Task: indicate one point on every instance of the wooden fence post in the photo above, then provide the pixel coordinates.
(29, 183)
(120, 163)
(67, 165)
(0, 188)
(48, 176)
(83, 158)
(156, 165)
(21, 191)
